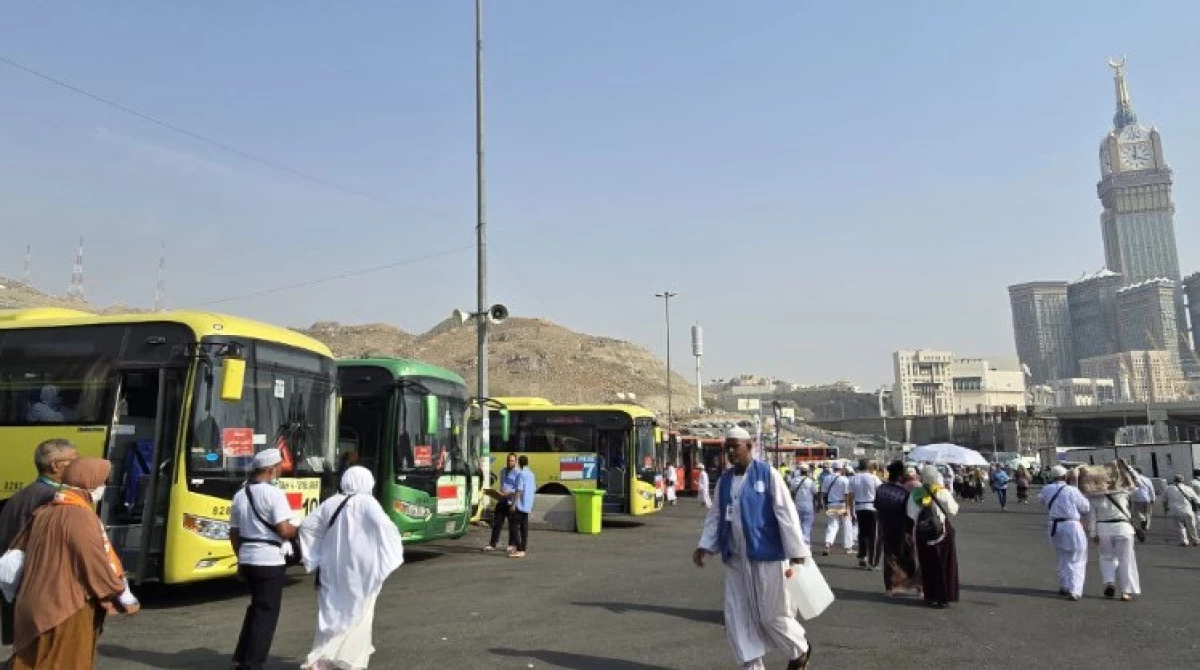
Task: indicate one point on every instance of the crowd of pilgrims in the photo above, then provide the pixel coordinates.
(61, 576)
(873, 513)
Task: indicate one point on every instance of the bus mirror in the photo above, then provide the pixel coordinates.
(432, 425)
(233, 378)
(504, 426)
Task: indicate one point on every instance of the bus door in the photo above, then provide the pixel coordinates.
(141, 448)
(613, 469)
(361, 429)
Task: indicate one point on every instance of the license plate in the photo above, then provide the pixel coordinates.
(449, 526)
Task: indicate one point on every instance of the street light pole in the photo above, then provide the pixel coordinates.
(481, 316)
(778, 411)
(666, 296)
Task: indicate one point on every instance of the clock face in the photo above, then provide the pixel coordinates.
(1105, 160)
(1136, 156)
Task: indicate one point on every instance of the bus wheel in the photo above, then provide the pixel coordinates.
(554, 490)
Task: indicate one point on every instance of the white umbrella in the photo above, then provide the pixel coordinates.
(946, 453)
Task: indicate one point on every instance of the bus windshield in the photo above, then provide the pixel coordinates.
(288, 402)
(419, 451)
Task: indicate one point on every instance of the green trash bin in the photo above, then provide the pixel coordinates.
(588, 510)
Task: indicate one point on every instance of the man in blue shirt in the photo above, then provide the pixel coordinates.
(504, 506)
(1000, 485)
(756, 531)
(526, 487)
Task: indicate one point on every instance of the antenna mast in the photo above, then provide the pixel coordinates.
(76, 290)
(160, 290)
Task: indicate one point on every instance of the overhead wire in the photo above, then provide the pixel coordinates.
(340, 275)
(188, 133)
(274, 165)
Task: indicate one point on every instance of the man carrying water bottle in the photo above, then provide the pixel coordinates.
(755, 528)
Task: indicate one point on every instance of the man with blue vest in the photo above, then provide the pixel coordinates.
(755, 529)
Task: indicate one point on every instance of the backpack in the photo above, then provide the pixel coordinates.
(930, 528)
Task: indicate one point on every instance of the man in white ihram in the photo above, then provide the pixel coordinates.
(755, 529)
(1067, 506)
(840, 510)
(1143, 501)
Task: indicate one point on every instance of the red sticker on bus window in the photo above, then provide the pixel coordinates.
(237, 442)
(423, 456)
(295, 500)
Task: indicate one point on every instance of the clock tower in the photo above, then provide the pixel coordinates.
(1138, 221)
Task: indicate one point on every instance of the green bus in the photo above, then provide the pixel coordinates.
(409, 423)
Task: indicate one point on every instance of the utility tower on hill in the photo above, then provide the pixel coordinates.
(76, 290)
(160, 291)
(27, 270)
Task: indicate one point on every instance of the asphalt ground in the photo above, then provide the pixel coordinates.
(630, 599)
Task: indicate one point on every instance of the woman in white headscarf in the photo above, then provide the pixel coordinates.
(355, 546)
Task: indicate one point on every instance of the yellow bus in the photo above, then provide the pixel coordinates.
(611, 447)
(179, 402)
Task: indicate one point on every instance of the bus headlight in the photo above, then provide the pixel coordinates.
(412, 510)
(646, 495)
(211, 529)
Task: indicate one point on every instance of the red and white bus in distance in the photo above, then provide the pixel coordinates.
(794, 454)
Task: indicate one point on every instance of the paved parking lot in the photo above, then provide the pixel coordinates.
(630, 599)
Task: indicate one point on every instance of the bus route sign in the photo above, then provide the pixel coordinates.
(577, 467)
(303, 494)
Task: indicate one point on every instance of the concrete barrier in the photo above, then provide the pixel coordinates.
(553, 512)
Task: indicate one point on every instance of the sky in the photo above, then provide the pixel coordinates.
(820, 184)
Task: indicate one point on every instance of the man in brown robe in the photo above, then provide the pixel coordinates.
(75, 573)
(51, 458)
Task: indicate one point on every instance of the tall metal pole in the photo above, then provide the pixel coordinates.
(666, 296)
(481, 323)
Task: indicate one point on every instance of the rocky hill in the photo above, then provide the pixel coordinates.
(18, 295)
(526, 357)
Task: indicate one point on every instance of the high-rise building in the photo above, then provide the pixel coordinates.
(1139, 376)
(1191, 293)
(924, 382)
(1138, 221)
(1146, 317)
(1092, 303)
(1042, 328)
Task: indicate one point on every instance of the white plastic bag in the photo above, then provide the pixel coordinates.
(12, 567)
(807, 589)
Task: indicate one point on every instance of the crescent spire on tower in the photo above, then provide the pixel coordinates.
(1125, 115)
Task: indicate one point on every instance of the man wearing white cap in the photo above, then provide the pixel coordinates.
(839, 510)
(755, 529)
(260, 525)
(1068, 506)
